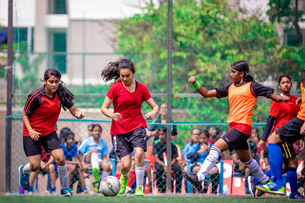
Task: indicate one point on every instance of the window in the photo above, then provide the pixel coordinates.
(58, 46)
(25, 35)
(57, 7)
(291, 38)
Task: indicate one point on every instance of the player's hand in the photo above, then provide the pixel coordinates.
(149, 116)
(285, 98)
(192, 79)
(302, 131)
(79, 115)
(116, 116)
(43, 166)
(34, 135)
(301, 145)
(260, 144)
(298, 102)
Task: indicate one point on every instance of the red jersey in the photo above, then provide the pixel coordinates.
(129, 106)
(42, 112)
(283, 111)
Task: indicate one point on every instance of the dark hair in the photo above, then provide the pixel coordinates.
(90, 127)
(68, 134)
(64, 132)
(243, 66)
(205, 132)
(284, 76)
(65, 96)
(96, 125)
(112, 70)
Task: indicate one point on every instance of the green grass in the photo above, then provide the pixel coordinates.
(132, 199)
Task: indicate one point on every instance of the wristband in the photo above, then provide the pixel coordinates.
(196, 85)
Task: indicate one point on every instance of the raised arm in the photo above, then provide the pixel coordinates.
(279, 98)
(204, 92)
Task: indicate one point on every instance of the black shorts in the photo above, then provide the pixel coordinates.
(236, 140)
(288, 151)
(290, 131)
(124, 143)
(49, 142)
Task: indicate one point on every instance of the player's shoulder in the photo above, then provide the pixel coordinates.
(37, 92)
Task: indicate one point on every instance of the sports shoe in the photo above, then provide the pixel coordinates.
(96, 186)
(84, 190)
(259, 193)
(272, 187)
(123, 182)
(65, 192)
(192, 178)
(139, 191)
(251, 185)
(23, 179)
(296, 196)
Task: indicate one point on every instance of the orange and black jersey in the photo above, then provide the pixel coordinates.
(42, 111)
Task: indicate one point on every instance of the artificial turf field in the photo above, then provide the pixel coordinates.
(132, 199)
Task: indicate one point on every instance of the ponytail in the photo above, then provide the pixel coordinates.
(243, 66)
(65, 96)
(112, 70)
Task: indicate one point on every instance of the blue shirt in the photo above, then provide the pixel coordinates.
(89, 144)
(69, 153)
(190, 148)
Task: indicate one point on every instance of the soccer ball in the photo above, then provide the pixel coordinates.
(110, 186)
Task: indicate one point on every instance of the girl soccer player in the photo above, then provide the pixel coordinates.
(289, 132)
(242, 95)
(128, 125)
(39, 117)
(281, 113)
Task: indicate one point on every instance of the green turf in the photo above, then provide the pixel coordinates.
(132, 199)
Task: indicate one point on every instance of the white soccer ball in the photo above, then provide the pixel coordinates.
(110, 186)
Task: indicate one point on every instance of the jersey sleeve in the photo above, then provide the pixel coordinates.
(82, 147)
(105, 148)
(275, 109)
(32, 103)
(146, 94)
(112, 91)
(74, 150)
(69, 104)
(260, 90)
(223, 91)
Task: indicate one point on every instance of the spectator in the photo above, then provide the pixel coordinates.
(213, 134)
(93, 153)
(159, 150)
(160, 122)
(74, 166)
(64, 133)
(192, 146)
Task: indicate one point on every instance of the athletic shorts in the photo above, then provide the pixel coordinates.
(124, 143)
(290, 131)
(236, 140)
(288, 150)
(49, 142)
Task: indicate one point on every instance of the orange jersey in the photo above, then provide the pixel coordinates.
(242, 103)
(301, 113)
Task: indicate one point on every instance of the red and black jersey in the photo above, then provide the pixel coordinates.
(42, 111)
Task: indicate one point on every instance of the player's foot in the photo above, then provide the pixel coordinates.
(123, 183)
(296, 196)
(259, 193)
(84, 190)
(30, 191)
(23, 179)
(192, 178)
(96, 186)
(139, 192)
(272, 187)
(65, 192)
(251, 185)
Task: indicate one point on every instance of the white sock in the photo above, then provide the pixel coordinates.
(63, 176)
(94, 161)
(26, 168)
(256, 170)
(208, 163)
(140, 175)
(105, 174)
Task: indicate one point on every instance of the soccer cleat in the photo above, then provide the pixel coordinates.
(296, 196)
(65, 192)
(123, 183)
(96, 186)
(84, 190)
(251, 185)
(192, 178)
(23, 179)
(272, 187)
(139, 191)
(260, 193)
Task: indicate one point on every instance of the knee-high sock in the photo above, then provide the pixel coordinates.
(140, 176)
(26, 168)
(132, 176)
(293, 179)
(208, 163)
(276, 163)
(267, 173)
(95, 166)
(63, 176)
(256, 170)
